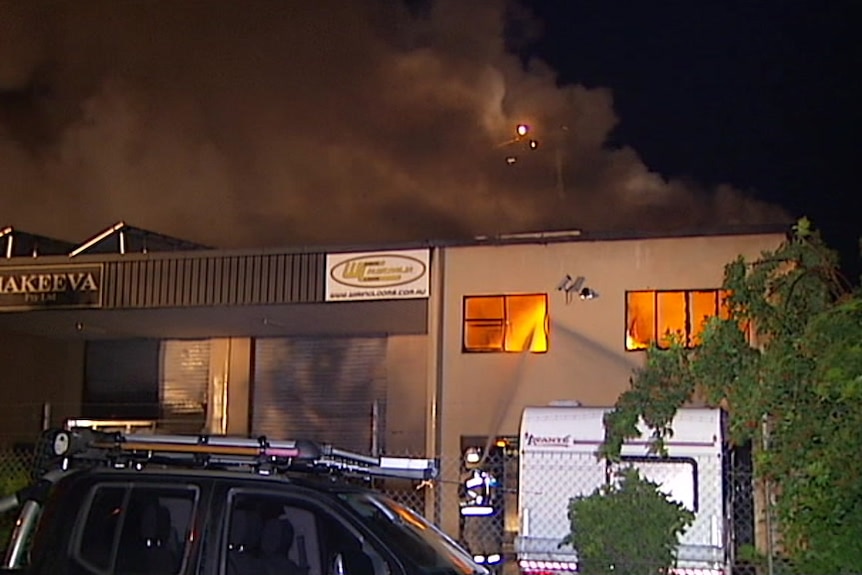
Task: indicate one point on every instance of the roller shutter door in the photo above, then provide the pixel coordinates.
(319, 388)
(184, 384)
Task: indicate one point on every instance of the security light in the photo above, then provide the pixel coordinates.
(587, 293)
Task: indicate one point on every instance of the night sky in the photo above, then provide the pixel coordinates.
(264, 123)
(765, 95)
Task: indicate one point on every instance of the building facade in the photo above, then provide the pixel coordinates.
(415, 349)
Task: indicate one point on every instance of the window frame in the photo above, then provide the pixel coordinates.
(127, 488)
(308, 502)
(720, 295)
(503, 322)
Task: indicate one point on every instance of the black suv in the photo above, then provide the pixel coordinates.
(108, 504)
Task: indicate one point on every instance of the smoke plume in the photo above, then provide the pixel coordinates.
(256, 123)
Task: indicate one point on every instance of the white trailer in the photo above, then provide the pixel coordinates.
(558, 461)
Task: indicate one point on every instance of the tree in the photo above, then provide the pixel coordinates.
(629, 528)
(786, 363)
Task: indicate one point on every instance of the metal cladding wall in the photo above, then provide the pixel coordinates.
(202, 280)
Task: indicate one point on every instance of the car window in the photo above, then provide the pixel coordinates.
(97, 545)
(431, 551)
(136, 529)
(274, 533)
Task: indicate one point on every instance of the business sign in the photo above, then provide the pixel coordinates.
(377, 275)
(49, 287)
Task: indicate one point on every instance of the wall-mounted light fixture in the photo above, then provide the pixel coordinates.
(587, 293)
(472, 456)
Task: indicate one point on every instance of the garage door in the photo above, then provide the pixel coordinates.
(184, 384)
(319, 388)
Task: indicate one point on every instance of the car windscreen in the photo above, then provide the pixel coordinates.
(431, 550)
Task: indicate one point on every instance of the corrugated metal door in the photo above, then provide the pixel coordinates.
(184, 383)
(323, 389)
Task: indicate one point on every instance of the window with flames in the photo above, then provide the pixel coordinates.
(506, 323)
(659, 316)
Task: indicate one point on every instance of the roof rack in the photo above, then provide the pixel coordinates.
(76, 447)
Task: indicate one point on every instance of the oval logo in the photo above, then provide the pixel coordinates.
(384, 270)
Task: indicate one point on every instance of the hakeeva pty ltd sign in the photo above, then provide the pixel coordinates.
(399, 274)
(45, 287)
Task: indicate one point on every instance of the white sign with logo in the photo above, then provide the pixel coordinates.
(377, 275)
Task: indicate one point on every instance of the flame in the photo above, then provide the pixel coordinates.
(633, 342)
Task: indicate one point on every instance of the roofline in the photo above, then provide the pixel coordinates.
(739, 230)
(539, 237)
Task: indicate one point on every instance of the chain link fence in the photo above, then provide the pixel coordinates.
(513, 519)
(15, 468)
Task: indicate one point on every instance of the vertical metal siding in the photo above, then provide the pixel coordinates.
(214, 280)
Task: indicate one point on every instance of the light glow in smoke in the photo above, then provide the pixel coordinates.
(261, 123)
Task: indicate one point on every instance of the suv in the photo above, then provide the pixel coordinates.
(114, 504)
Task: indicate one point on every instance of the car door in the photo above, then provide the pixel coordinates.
(288, 530)
(124, 524)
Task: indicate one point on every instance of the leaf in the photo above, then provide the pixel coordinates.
(802, 228)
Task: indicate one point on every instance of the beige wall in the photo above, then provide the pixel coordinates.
(484, 393)
(406, 368)
(586, 360)
(36, 371)
(230, 383)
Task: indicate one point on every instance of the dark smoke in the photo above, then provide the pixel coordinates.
(273, 123)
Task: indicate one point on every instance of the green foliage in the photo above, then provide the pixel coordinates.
(627, 529)
(10, 482)
(793, 388)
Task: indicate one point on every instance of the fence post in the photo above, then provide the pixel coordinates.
(767, 494)
(46, 416)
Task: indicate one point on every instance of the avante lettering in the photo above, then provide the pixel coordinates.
(48, 283)
(547, 440)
